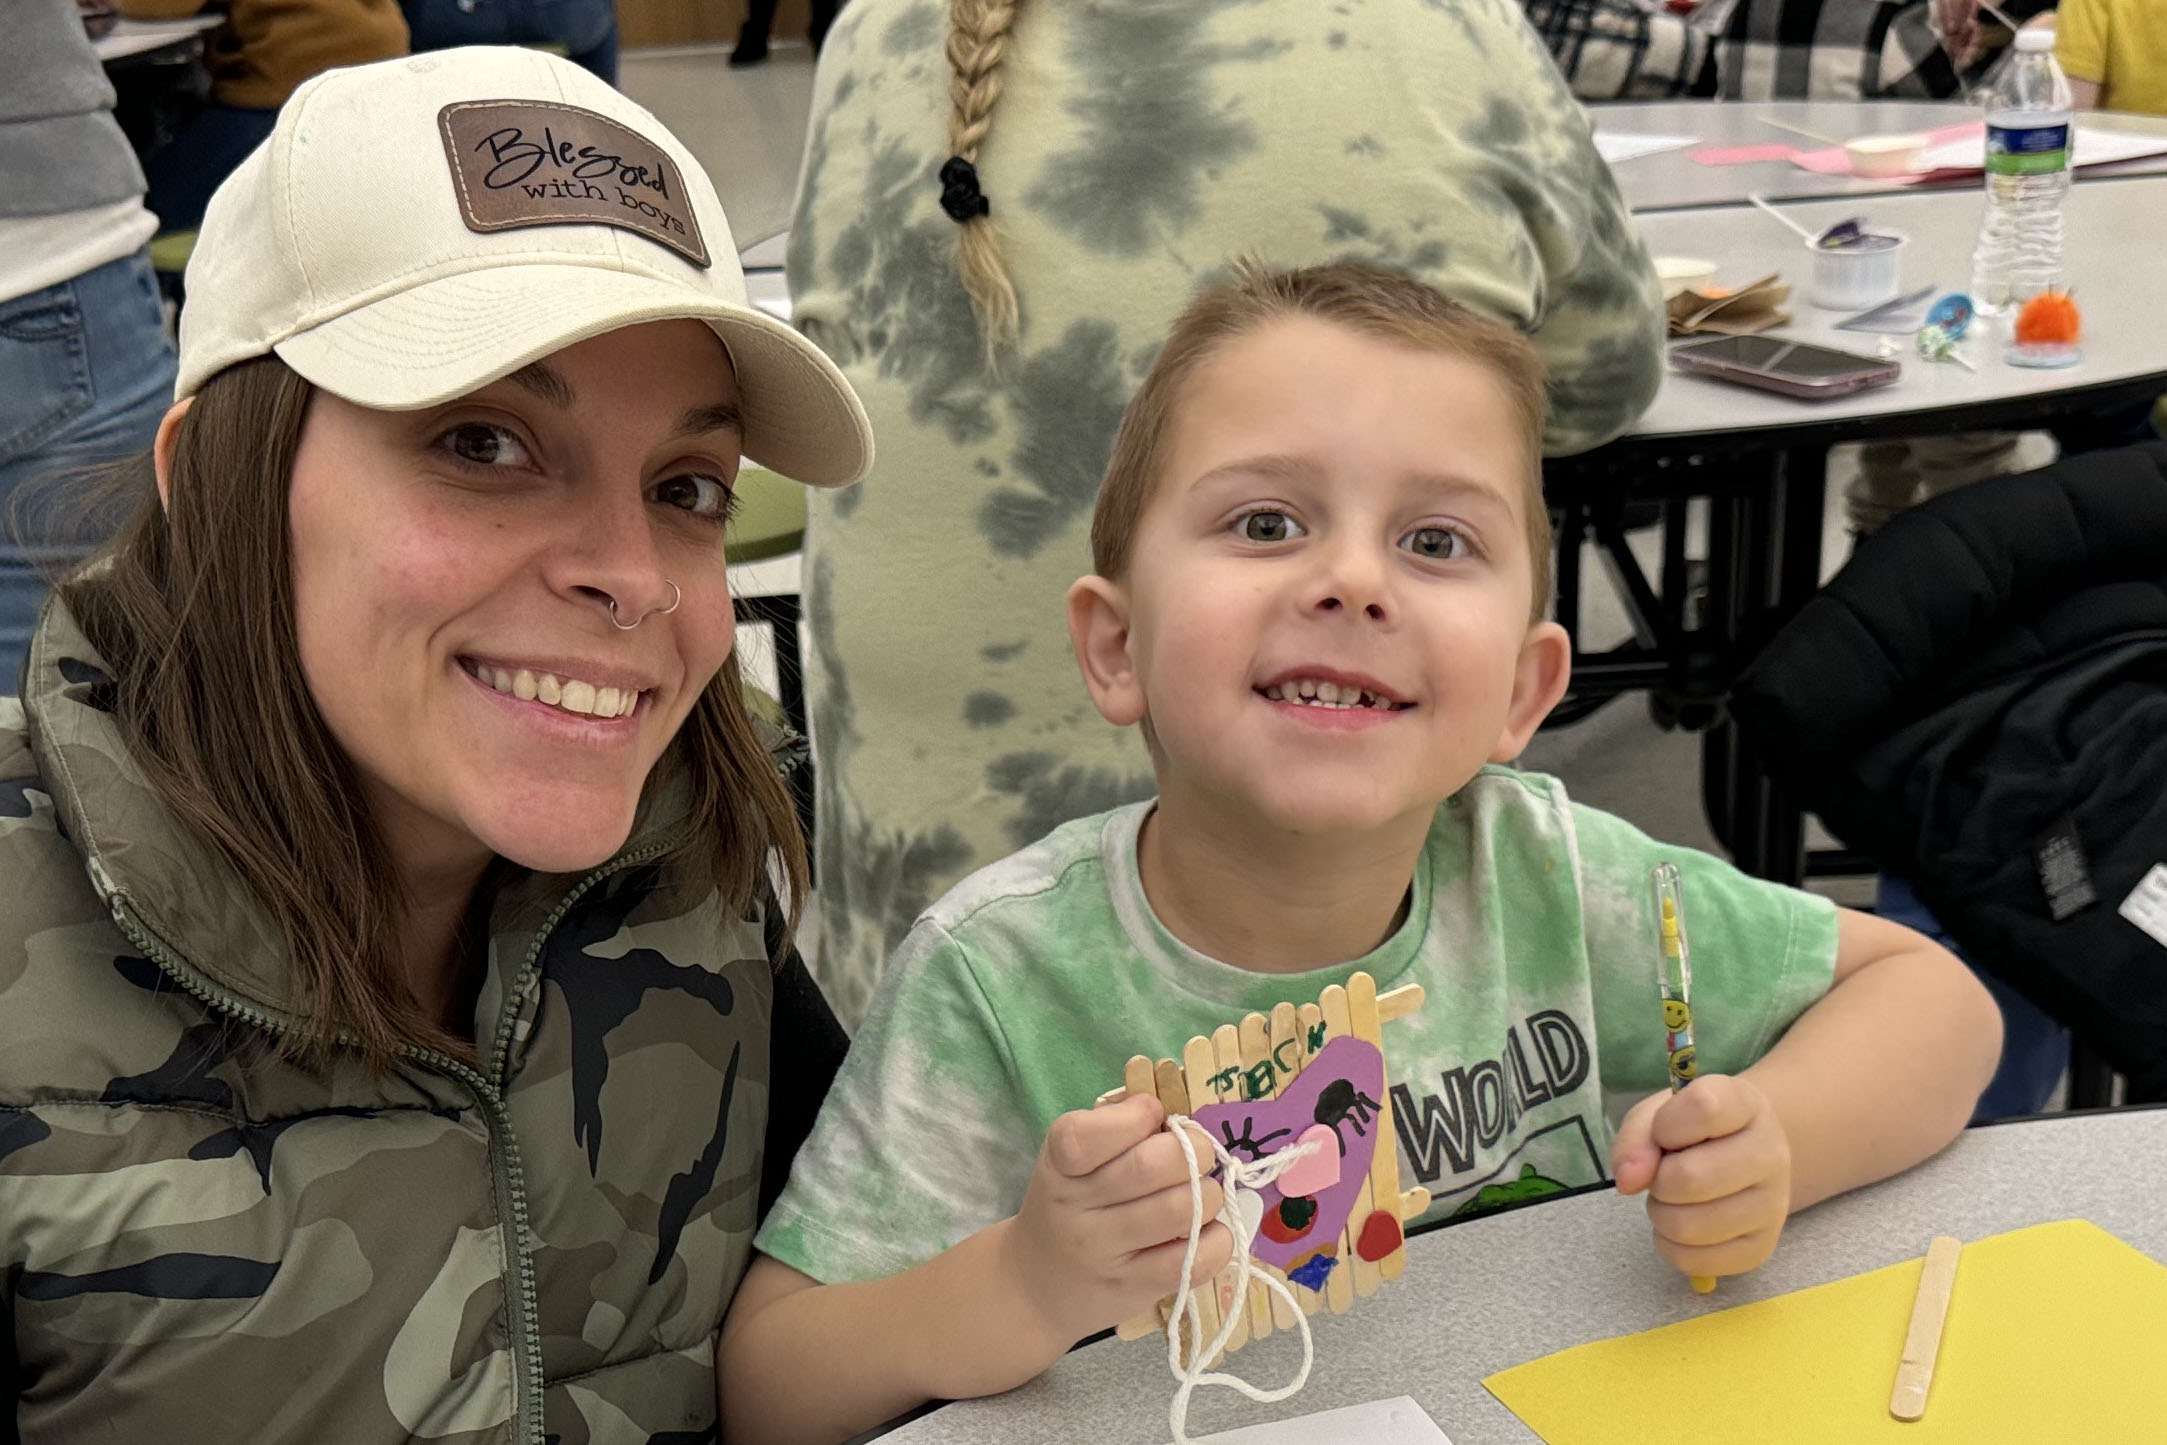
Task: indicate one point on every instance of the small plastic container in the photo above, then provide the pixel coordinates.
(1865, 273)
(1882, 156)
(1680, 274)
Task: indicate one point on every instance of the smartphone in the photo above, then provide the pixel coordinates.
(1793, 368)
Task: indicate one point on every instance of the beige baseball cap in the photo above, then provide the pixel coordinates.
(419, 228)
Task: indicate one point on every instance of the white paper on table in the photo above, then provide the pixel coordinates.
(2095, 147)
(1614, 146)
(1381, 1422)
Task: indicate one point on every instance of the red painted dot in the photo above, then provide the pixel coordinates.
(1380, 1236)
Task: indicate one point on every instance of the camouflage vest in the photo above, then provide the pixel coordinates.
(200, 1242)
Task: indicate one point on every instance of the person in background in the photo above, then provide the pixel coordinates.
(264, 50)
(586, 30)
(2115, 53)
(752, 36)
(85, 366)
(1003, 207)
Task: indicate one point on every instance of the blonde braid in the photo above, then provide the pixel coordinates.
(977, 41)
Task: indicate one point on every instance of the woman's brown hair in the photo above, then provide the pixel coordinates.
(192, 607)
(977, 42)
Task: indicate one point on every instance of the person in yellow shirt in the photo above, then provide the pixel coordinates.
(2115, 52)
(264, 50)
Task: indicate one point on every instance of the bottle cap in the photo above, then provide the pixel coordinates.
(2031, 42)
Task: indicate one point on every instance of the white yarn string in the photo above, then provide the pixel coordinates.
(1236, 1179)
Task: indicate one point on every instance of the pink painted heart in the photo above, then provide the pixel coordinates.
(1340, 1090)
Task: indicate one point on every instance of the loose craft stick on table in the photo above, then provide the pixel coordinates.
(1922, 1342)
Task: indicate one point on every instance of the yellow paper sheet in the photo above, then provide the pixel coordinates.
(2055, 1333)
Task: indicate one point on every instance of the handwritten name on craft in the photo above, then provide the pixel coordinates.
(514, 158)
(1260, 1080)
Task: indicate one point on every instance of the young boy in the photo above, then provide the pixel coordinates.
(1322, 562)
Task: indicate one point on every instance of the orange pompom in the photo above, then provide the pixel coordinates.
(2049, 319)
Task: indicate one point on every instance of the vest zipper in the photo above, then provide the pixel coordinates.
(508, 1177)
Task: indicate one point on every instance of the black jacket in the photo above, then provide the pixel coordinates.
(1979, 700)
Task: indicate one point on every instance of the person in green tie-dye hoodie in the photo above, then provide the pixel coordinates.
(1112, 158)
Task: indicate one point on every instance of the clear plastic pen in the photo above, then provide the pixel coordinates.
(1676, 979)
(1675, 983)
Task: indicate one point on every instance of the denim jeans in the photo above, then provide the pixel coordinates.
(85, 374)
(587, 29)
(2034, 1048)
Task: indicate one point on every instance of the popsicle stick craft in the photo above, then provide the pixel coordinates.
(1332, 1224)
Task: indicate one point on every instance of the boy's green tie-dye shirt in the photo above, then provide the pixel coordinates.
(1021, 994)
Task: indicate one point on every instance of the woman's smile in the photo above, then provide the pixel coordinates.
(570, 690)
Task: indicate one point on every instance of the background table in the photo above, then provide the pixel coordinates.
(1501, 1290)
(1672, 179)
(142, 37)
(1758, 461)
(2114, 266)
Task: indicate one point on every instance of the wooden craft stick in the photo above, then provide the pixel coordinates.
(1399, 1003)
(1226, 1049)
(1360, 1273)
(1198, 1064)
(1283, 1041)
(1922, 1342)
(1138, 1077)
(1384, 1164)
(1173, 1093)
(1166, 1083)
(1308, 1023)
(1256, 1054)
(1309, 1017)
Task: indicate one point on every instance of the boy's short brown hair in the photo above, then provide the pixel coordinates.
(1371, 300)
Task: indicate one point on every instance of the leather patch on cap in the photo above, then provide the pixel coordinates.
(535, 163)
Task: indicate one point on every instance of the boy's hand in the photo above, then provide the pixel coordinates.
(1105, 1219)
(1717, 1167)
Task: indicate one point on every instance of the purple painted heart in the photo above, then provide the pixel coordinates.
(1341, 1089)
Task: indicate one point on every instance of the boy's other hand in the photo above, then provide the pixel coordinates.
(1716, 1165)
(1105, 1219)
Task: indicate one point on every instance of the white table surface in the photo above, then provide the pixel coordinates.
(134, 37)
(1673, 179)
(1493, 1293)
(2115, 268)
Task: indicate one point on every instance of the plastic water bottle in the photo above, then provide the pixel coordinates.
(2028, 139)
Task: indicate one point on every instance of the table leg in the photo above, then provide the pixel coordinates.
(1772, 535)
(780, 611)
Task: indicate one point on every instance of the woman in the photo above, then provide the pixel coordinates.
(1003, 207)
(393, 1005)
